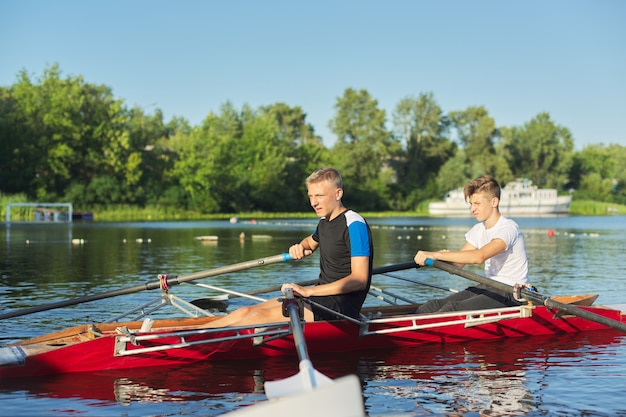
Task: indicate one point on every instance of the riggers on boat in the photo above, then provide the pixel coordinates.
(181, 342)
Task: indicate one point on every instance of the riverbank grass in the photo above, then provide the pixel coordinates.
(121, 213)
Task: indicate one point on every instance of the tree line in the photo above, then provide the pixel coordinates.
(64, 139)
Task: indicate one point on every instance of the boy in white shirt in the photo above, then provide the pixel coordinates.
(496, 240)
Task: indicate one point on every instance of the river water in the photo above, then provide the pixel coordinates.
(567, 375)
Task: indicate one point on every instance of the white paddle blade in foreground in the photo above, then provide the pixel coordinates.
(308, 379)
(342, 398)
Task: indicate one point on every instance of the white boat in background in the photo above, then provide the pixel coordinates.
(519, 197)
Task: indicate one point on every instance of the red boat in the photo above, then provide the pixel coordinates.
(182, 342)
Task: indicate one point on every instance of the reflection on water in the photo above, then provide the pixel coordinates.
(501, 378)
(574, 375)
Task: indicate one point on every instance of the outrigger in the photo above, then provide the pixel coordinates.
(183, 341)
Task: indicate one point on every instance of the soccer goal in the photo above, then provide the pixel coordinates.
(39, 212)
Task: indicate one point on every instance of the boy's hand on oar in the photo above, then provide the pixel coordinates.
(298, 251)
(298, 290)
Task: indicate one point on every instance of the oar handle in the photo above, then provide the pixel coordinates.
(393, 268)
(444, 266)
(533, 296)
(290, 305)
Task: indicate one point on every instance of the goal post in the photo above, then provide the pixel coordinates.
(39, 212)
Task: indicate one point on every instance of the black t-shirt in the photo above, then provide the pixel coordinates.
(339, 240)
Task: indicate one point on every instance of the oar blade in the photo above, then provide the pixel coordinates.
(343, 398)
(308, 379)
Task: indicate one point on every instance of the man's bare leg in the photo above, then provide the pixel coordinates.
(270, 311)
(241, 313)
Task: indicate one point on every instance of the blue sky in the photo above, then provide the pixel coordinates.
(516, 58)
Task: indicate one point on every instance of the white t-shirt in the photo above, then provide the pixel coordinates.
(509, 266)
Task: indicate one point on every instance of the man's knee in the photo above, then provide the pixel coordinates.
(244, 311)
(266, 315)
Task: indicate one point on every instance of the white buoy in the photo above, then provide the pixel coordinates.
(206, 238)
(261, 237)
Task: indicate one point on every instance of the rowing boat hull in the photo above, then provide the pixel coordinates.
(183, 342)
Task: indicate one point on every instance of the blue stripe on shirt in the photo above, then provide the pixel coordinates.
(359, 236)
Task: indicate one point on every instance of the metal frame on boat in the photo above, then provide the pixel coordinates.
(183, 341)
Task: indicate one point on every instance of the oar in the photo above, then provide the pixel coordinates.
(375, 271)
(273, 288)
(393, 268)
(210, 302)
(153, 285)
(414, 281)
(308, 378)
(533, 296)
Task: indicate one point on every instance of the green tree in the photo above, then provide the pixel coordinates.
(149, 155)
(480, 140)
(164, 187)
(240, 161)
(363, 150)
(541, 151)
(598, 173)
(259, 161)
(62, 138)
(292, 125)
(68, 131)
(17, 150)
(305, 153)
(422, 127)
(476, 131)
(454, 173)
(201, 164)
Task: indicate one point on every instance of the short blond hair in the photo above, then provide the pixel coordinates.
(325, 174)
